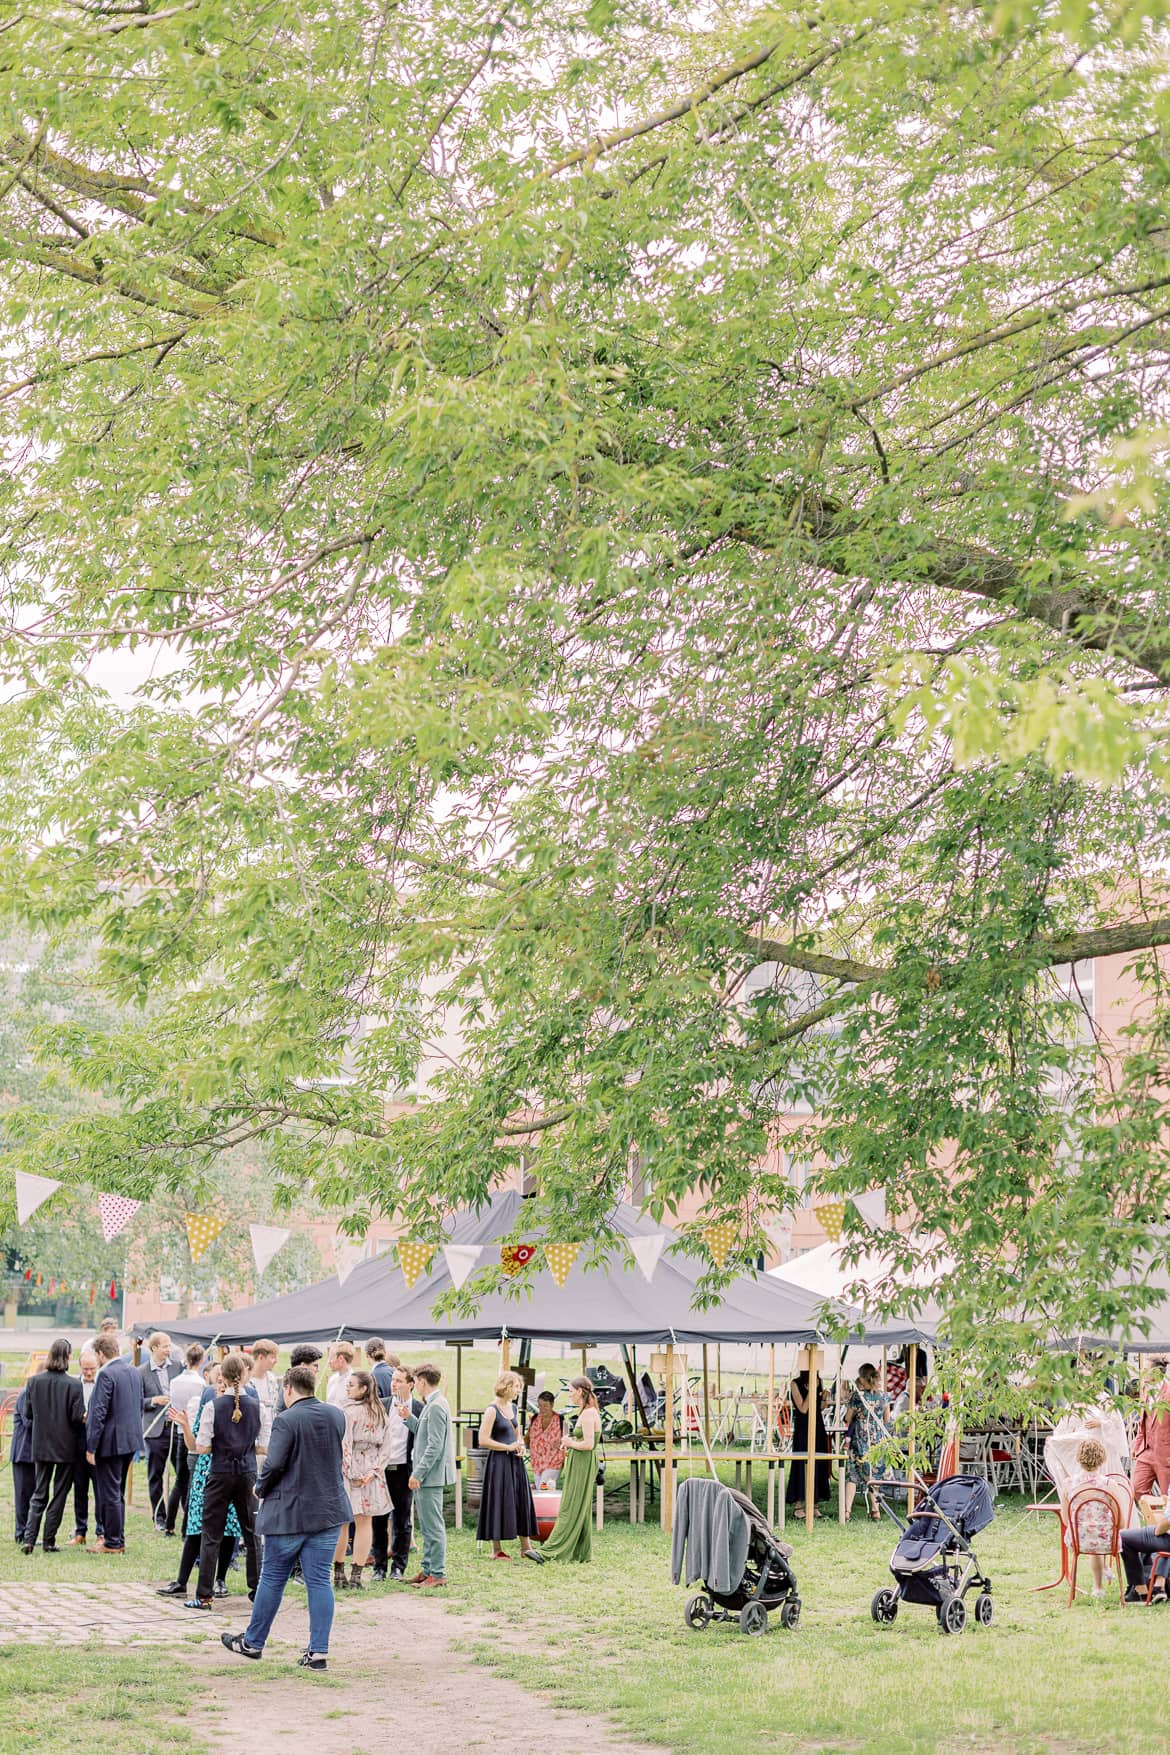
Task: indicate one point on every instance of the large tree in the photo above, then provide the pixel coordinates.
(639, 531)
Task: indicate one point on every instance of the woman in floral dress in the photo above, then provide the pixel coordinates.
(365, 1454)
(865, 1421)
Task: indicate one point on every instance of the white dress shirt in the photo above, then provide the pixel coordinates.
(337, 1389)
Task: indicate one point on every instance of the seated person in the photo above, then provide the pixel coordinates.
(1094, 1522)
(1136, 1547)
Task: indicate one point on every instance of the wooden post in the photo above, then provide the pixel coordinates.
(810, 1467)
(913, 1388)
(505, 1354)
(584, 1361)
(706, 1397)
(667, 1504)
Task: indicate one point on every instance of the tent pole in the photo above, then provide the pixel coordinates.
(771, 1427)
(841, 1351)
(706, 1403)
(505, 1353)
(913, 1386)
(667, 1505)
(810, 1467)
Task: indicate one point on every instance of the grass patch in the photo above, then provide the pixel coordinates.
(91, 1700)
(1043, 1680)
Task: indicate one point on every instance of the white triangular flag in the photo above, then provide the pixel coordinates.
(646, 1251)
(267, 1241)
(347, 1253)
(461, 1259)
(871, 1208)
(32, 1192)
(778, 1231)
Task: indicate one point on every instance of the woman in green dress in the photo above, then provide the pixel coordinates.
(572, 1536)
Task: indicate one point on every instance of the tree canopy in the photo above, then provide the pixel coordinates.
(633, 528)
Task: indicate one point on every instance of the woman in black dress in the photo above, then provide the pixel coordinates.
(799, 1395)
(505, 1508)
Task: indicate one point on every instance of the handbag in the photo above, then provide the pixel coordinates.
(599, 1477)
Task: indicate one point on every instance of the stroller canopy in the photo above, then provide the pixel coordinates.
(965, 1500)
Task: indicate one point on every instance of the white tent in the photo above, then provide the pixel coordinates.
(825, 1272)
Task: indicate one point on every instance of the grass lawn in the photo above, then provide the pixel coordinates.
(1041, 1681)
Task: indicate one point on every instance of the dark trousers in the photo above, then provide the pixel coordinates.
(109, 1498)
(391, 1532)
(82, 1481)
(24, 1479)
(53, 1482)
(1136, 1545)
(219, 1493)
(188, 1559)
(158, 1451)
(182, 1484)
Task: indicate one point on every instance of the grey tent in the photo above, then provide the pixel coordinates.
(600, 1307)
(1126, 1336)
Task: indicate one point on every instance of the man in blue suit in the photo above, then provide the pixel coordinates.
(113, 1436)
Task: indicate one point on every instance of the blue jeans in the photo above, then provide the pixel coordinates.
(314, 1551)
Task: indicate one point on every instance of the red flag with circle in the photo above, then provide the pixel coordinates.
(116, 1213)
(202, 1231)
(515, 1257)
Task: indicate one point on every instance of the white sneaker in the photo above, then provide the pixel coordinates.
(1098, 1593)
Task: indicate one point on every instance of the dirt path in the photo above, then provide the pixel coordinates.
(382, 1652)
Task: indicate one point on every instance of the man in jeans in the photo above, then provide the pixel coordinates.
(303, 1506)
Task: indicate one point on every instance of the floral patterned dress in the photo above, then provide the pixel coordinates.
(365, 1450)
(866, 1428)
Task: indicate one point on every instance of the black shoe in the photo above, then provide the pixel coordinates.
(397, 1574)
(219, 1588)
(312, 1660)
(28, 1547)
(378, 1575)
(51, 1548)
(235, 1642)
(168, 1532)
(174, 1589)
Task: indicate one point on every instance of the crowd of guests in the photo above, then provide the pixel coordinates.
(241, 1460)
(870, 1414)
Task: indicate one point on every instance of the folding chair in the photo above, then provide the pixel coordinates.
(1083, 1539)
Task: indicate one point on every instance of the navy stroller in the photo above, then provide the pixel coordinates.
(933, 1562)
(740, 1590)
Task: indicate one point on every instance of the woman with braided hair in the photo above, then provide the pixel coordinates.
(228, 1429)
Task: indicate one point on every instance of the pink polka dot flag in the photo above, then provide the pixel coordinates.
(116, 1213)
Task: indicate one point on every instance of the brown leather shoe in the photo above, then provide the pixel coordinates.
(432, 1583)
(75, 1542)
(419, 1578)
(99, 1547)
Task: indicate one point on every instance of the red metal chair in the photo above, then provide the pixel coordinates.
(1083, 1538)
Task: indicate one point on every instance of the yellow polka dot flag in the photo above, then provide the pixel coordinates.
(560, 1258)
(831, 1214)
(414, 1258)
(720, 1240)
(202, 1231)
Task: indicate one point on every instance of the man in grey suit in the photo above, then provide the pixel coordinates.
(433, 1468)
(158, 1434)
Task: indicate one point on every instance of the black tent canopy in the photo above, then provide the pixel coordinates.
(597, 1307)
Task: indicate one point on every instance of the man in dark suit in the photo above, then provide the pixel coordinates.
(158, 1433)
(303, 1507)
(55, 1415)
(113, 1435)
(24, 1469)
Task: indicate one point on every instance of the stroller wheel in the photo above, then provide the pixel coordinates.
(753, 1618)
(952, 1615)
(790, 1612)
(983, 1608)
(698, 1613)
(884, 1607)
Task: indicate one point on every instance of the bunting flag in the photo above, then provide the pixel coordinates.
(778, 1231)
(515, 1257)
(202, 1231)
(347, 1252)
(871, 1208)
(647, 1252)
(560, 1258)
(267, 1241)
(414, 1258)
(461, 1259)
(116, 1213)
(720, 1240)
(831, 1217)
(32, 1192)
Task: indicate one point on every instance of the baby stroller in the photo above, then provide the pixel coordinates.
(728, 1545)
(933, 1562)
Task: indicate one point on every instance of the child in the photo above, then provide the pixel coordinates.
(1094, 1523)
